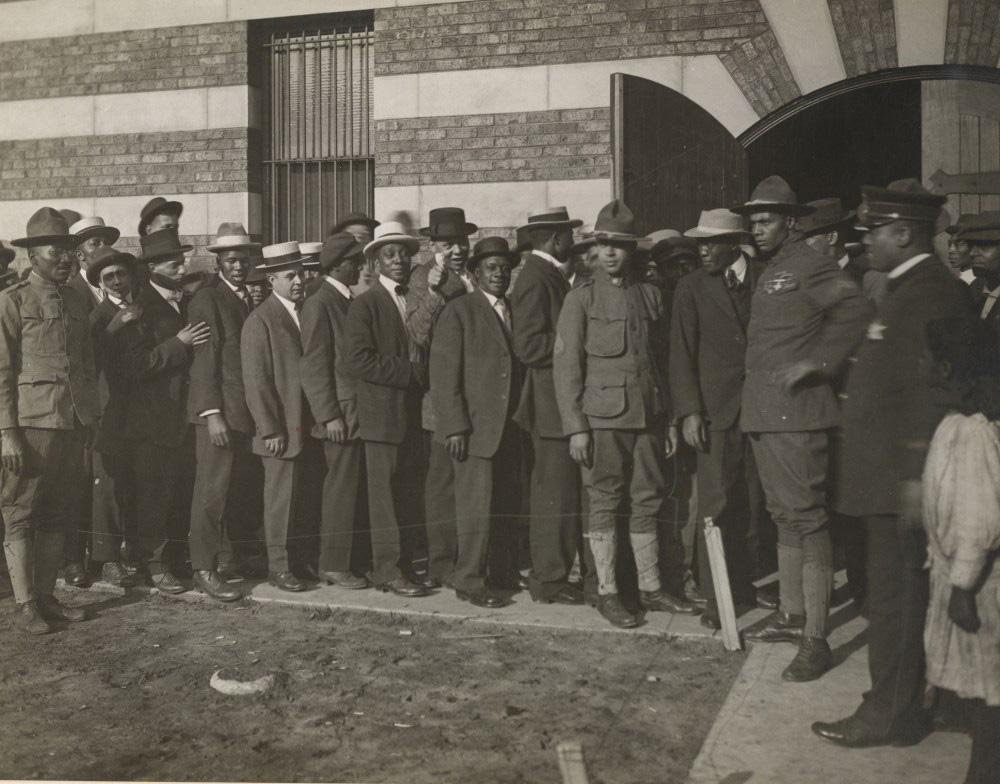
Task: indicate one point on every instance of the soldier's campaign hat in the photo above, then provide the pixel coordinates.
(492, 246)
(550, 218)
(310, 254)
(337, 248)
(774, 194)
(615, 222)
(280, 256)
(582, 245)
(388, 233)
(157, 206)
(901, 200)
(162, 244)
(963, 220)
(448, 222)
(351, 219)
(718, 223)
(95, 227)
(47, 227)
(830, 215)
(71, 216)
(983, 228)
(232, 236)
(106, 257)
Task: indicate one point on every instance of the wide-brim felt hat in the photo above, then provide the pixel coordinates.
(337, 248)
(774, 194)
(681, 246)
(47, 227)
(493, 246)
(984, 228)
(280, 256)
(963, 220)
(550, 218)
(718, 223)
(657, 239)
(616, 223)
(106, 257)
(256, 275)
(903, 199)
(448, 222)
(157, 206)
(95, 227)
(391, 232)
(351, 219)
(586, 243)
(161, 244)
(232, 236)
(829, 215)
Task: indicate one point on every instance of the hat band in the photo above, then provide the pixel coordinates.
(234, 240)
(283, 259)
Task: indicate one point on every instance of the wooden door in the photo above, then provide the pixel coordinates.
(961, 143)
(672, 159)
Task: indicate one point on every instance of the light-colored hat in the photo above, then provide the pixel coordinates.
(280, 256)
(89, 227)
(651, 241)
(718, 223)
(310, 252)
(391, 232)
(232, 236)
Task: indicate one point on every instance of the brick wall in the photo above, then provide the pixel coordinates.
(211, 55)
(760, 70)
(866, 33)
(973, 36)
(210, 161)
(551, 145)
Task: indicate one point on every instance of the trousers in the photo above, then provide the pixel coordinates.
(343, 506)
(555, 532)
(440, 507)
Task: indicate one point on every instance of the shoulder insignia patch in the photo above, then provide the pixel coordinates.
(876, 330)
(781, 283)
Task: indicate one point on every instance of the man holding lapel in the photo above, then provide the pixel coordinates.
(708, 343)
(271, 350)
(332, 399)
(224, 484)
(475, 381)
(391, 376)
(536, 301)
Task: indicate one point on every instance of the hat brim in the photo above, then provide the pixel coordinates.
(844, 223)
(110, 233)
(47, 239)
(574, 223)
(780, 207)
(167, 253)
(170, 206)
(514, 256)
(281, 265)
(616, 236)
(411, 243)
(987, 236)
(468, 230)
(122, 260)
(241, 246)
(698, 233)
(371, 223)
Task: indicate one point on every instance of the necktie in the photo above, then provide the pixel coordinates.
(504, 313)
(732, 282)
(401, 291)
(244, 296)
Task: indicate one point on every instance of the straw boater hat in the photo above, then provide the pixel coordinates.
(94, 227)
(162, 244)
(310, 254)
(774, 194)
(718, 223)
(983, 228)
(232, 236)
(492, 246)
(157, 206)
(351, 219)
(902, 200)
(829, 215)
(550, 218)
(280, 256)
(46, 227)
(108, 257)
(388, 233)
(615, 222)
(337, 248)
(448, 222)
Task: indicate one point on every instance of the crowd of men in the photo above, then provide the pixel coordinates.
(333, 412)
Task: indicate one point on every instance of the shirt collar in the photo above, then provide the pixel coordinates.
(389, 284)
(907, 265)
(169, 295)
(38, 280)
(492, 300)
(843, 261)
(235, 289)
(551, 260)
(116, 300)
(345, 290)
(739, 268)
(288, 305)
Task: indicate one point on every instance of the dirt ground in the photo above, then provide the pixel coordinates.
(360, 697)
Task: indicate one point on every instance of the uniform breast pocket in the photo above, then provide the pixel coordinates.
(36, 395)
(605, 336)
(42, 330)
(604, 400)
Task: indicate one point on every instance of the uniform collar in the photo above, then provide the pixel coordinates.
(907, 265)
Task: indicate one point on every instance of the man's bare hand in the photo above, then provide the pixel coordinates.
(438, 273)
(194, 334)
(581, 448)
(124, 316)
(671, 441)
(695, 432)
(218, 430)
(336, 430)
(795, 374)
(276, 444)
(458, 446)
(12, 451)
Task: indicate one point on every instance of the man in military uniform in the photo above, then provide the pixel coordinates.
(827, 230)
(806, 319)
(888, 419)
(48, 404)
(609, 371)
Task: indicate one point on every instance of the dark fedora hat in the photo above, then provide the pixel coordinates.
(615, 222)
(829, 215)
(161, 244)
(963, 220)
(550, 218)
(337, 248)
(448, 222)
(774, 194)
(47, 227)
(492, 246)
(157, 206)
(983, 228)
(106, 257)
(352, 219)
(901, 200)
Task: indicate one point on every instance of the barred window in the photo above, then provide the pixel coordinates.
(318, 155)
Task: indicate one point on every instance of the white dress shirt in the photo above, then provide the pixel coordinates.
(991, 300)
(97, 291)
(500, 307)
(553, 261)
(289, 306)
(345, 290)
(739, 268)
(170, 295)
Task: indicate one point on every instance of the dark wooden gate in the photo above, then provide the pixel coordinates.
(672, 159)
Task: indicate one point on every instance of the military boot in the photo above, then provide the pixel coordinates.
(18, 554)
(48, 558)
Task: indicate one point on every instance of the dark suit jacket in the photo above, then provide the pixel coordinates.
(978, 290)
(113, 385)
(271, 348)
(217, 370)
(80, 284)
(890, 413)
(389, 384)
(535, 304)
(155, 363)
(708, 346)
(328, 386)
(474, 374)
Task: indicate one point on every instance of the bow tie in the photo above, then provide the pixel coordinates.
(401, 290)
(174, 295)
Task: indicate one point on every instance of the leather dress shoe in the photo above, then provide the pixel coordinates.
(610, 606)
(661, 601)
(166, 582)
(522, 583)
(344, 580)
(113, 573)
(211, 582)
(28, 619)
(812, 660)
(779, 626)
(286, 581)
(308, 572)
(74, 574)
(51, 610)
(710, 618)
(403, 587)
(693, 596)
(564, 595)
(767, 597)
(852, 733)
(483, 598)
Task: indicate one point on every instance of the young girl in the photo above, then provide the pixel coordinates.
(961, 512)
